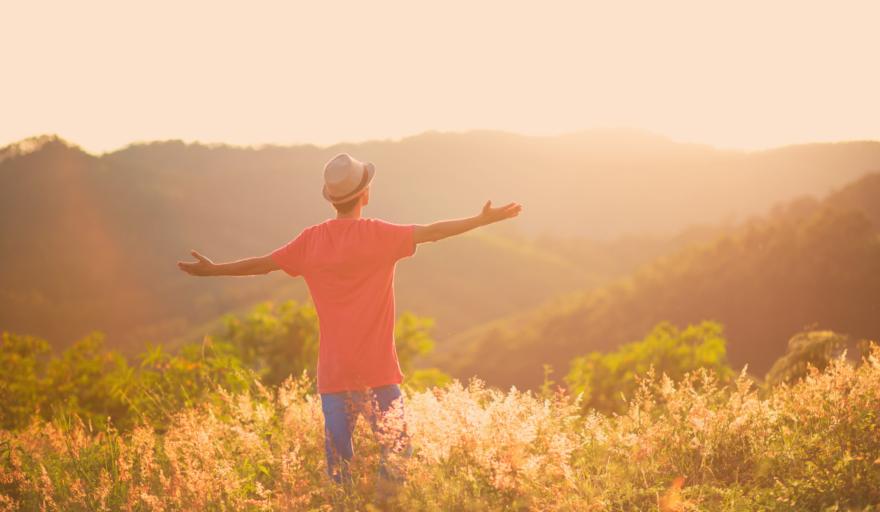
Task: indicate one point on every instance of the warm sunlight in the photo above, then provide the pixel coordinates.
(741, 74)
(412, 256)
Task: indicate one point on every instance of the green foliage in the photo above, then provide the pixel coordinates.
(276, 341)
(412, 338)
(426, 378)
(805, 349)
(98, 386)
(607, 380)
(22, 370)
(165, 383)
(549, 386)
(85, 381)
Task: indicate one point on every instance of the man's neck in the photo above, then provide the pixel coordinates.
(354, 214)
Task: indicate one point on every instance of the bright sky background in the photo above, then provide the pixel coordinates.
(739, 73)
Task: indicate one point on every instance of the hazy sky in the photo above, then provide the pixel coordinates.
(733, 74)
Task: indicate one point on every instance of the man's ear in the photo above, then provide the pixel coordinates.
(365, 199)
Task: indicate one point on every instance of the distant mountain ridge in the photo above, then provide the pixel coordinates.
(89, 241)
(613, 182)
(30, 145)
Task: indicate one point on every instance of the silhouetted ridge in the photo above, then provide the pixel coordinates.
(36, 144)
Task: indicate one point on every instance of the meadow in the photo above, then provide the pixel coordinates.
(697, 443)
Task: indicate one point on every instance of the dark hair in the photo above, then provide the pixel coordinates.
(347, 206)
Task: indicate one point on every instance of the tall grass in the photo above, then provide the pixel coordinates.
(687, 445)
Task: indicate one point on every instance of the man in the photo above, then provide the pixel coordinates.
(348, 264)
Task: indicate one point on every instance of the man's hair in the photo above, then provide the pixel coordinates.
(347, 206)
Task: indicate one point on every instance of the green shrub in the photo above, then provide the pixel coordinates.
(606, 380)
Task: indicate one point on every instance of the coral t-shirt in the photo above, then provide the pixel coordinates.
(348, 265)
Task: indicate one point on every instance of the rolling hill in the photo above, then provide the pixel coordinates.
(88, 244)
(808, 263)
(89, 241)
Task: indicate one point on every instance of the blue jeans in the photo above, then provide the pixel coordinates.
(383, 407)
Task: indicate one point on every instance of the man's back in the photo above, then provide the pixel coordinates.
(349, 265)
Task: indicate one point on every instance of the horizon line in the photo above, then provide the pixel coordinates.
(595, 130)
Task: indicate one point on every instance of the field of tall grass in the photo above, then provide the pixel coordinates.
(688, 445)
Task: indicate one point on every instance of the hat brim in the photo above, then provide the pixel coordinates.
(371, 170)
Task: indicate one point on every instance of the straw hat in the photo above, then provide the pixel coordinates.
(345, 178)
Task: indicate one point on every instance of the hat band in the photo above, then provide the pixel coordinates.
(356, 189)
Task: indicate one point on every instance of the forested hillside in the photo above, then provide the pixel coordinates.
(89, 241)
(807, 264)
(87, 245)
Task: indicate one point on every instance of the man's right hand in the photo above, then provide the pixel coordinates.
(490, 215)
(201, 267)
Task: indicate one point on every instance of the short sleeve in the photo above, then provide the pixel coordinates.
(290, 257)
(397, 240)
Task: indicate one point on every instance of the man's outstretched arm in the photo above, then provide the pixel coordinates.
(446, 228)
(246, 267)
